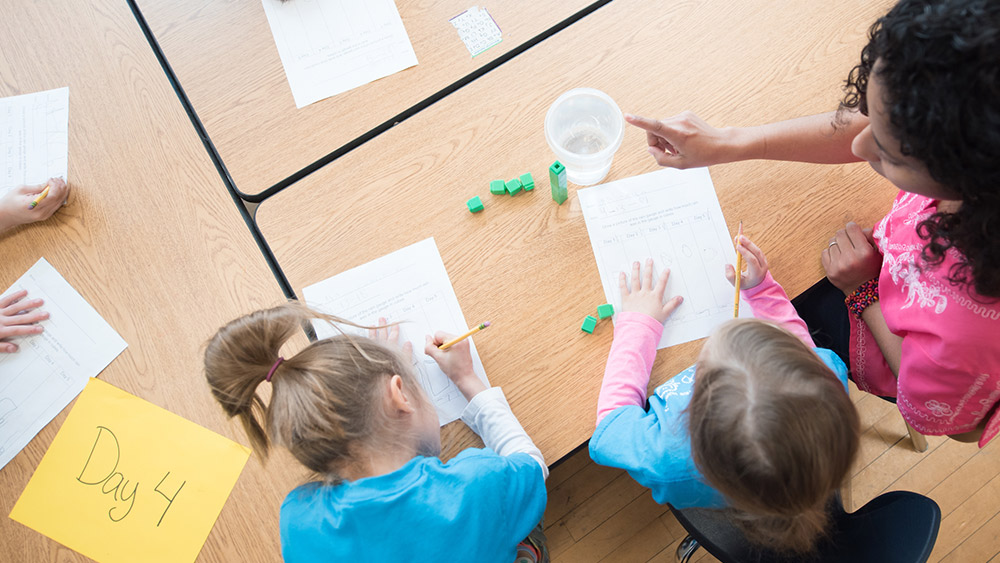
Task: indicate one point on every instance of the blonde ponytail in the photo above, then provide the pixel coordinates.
(326, 401)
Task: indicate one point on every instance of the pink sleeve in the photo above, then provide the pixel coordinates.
(769, 302)
(633, 351)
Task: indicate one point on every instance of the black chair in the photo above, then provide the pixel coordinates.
(896, 527)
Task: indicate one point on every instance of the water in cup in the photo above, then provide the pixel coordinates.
(585, 140)
(584, 128)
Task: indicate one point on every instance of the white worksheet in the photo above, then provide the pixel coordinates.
(50, 369)
(331, 46)
(672, 216)
(411, 286)
(34, 138)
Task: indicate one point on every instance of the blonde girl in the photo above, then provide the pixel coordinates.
(349, 408)
(760, 426)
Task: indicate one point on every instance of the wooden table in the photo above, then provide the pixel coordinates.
(526, 263)
(150, 238)
(153, 242)
(226, 60)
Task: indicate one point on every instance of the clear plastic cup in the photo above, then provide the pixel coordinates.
(584, 127)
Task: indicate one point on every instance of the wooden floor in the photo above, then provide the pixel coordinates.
(600, 514)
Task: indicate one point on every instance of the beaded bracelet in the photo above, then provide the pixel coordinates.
(862, 297)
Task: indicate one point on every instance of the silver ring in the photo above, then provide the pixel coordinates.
(831, 244)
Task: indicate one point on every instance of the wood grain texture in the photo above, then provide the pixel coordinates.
(526, 263)
(224, 54)
(150, 238)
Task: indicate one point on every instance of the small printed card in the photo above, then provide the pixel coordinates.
(478, 30)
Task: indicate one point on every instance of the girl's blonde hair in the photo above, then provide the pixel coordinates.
(327, 403)
(773, 430)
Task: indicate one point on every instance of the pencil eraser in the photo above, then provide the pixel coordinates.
(589, 324)
(605, 311)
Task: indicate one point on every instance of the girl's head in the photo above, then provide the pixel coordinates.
(773, 430)
(336, 405)
(929, 80)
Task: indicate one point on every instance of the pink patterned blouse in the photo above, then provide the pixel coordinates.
(949, 374)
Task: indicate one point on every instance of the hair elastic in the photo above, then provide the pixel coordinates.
(274, 367)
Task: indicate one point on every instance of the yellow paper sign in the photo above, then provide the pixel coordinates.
(126, 480)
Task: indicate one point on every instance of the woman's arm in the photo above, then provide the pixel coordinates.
(890, 344)
(687, 141)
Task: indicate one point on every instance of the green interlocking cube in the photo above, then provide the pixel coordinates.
(475, 204)
(497, 187)
(527, 181)
(557, 179)
(606, 310)
(589, 324)
(513, 186)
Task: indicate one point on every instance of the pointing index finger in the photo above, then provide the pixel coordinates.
(644, 122)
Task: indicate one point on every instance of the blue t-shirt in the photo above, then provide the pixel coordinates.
(476, 507)
(654, 446)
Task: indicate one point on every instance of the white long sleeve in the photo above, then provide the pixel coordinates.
(488, 414)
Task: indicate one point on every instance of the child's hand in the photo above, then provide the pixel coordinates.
(644, 297)
(390, 335)
(15, 204)
(685, 140)
(456, 363)
(18, 318)
(755, 261)
(851, 258)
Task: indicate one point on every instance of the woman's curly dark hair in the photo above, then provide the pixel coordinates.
(939, 61)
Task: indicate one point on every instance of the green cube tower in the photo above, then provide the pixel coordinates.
(497, 187)
(588, 324)
(557, 179)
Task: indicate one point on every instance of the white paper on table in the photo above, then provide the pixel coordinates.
(477, 29)
(331, 46)
(409, 285)
(672, 216)
(34, 138)
(50, 369)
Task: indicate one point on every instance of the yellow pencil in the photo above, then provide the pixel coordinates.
(739, 271)
(40, 197)
(458, 339)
